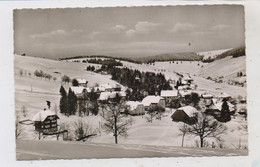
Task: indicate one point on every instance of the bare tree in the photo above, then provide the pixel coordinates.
(82, 130)
(115, 122)
(206, 127)
(184, 130)
(19, 130)
(24, 111)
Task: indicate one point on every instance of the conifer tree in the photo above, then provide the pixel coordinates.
(63, 101)
(72, 102)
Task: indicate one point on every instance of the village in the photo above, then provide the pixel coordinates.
(114, 108)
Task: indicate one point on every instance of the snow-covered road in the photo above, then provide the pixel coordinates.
(35, 150)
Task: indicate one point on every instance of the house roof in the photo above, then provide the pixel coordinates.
(185, 92)
(183, 87)
(77, 89)
(206, 95)
(148, 100)
(218, 105)
(81, 81)
(224, 95)
(187, 78)
(105, 86)
(133, 104)
(107, 95)
(189, 110)
(169, 93)
(42, 115)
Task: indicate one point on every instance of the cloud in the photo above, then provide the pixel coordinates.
(55, 33)
(143, 27)
(119, 28)
(219, 27)
(180, 27)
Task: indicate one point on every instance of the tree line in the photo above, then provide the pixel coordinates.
(141, 84)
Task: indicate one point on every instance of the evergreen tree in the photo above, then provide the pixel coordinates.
(225, 113)
(63, 101)
(72, 102)
(75, 82)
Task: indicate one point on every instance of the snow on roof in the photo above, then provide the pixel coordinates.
(224, 95)
(183, 87)
(110, 95)
(148, 100)
(133, 104)
(42, 115)
(169, 93)
(189, 110)
(77, 89)
(187, 78)
(218, 105)
(81, 81)
(105, 86)
(206, 95)
(185, 92)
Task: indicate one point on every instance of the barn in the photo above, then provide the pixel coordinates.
(186, 114)
(135, 108)
(46, 121)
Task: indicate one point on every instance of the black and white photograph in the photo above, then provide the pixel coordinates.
(130, 82)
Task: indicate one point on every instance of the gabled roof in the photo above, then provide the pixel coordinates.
(169, 93)
(42, 115)
(77, 89)
(81, 81)
(110, 95)
(151, 99)
(189, 110)
(133, 104)
(206, 95)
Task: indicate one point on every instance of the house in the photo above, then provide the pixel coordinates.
(82, 82)
(207, 99)
(106, 88)
(216, 107)
(186, 114)
(150, 102)
(78, 89)
(206, 96)
(106, 96)
(183, 93)
(169, 95)
(224, 95)
(187, 80)
(135, 108)
(45, 121)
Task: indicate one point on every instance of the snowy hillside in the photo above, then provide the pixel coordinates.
(227, 67)
(212, 54)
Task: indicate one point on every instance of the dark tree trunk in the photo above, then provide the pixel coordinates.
(201, 141)
(182, 141)
(115, 118)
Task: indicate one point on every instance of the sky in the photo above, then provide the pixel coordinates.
(127, 31)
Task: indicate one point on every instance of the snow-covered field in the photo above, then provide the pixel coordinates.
(212, 54)
(32, 93)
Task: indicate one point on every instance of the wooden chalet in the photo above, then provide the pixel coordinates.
(45, 121)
